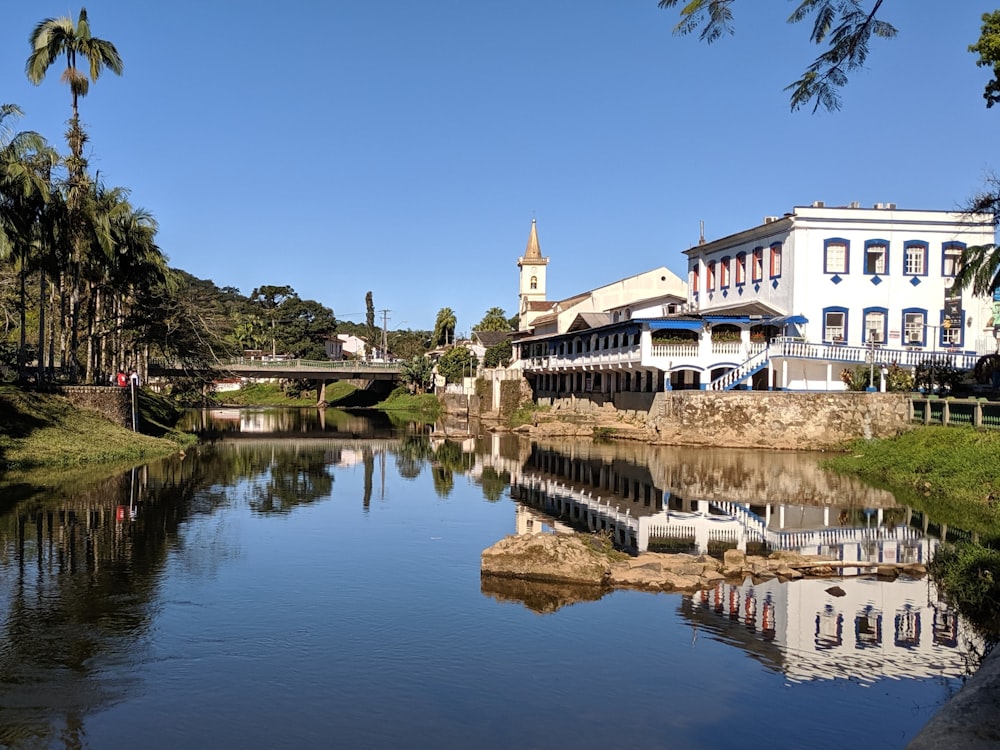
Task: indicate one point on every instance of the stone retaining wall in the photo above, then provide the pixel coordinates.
(777, 419)
(112, 402)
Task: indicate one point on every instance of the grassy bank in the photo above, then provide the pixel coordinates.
(951, 474)
(40, 429)
(424, 404)
(271, 394)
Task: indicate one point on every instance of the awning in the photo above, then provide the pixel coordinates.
(677, 325)
(795, 320)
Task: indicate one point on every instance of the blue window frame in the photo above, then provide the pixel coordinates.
(915, 258)
(776, 260)
(876, 257)
(951, 254)
(914, 326)
(836, 255)
(951, 338)
(835, 324)
(875, 325)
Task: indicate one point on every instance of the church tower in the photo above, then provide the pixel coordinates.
(532, 267)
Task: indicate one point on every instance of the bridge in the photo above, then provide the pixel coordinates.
(322, 371)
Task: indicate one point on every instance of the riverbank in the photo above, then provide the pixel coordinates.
(46, 430)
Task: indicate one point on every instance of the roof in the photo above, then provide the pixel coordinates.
(492, 338)
(533, 251)
(587, 320)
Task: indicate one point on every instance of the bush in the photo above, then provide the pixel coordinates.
(969, 576)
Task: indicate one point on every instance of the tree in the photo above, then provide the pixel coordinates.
(457, 363)
(988, 48)
(267, 299)
(499, 355)
(844, 25)
(495, 319)
(370, 324)
(50, 40)
(417, 373)
(444, 327)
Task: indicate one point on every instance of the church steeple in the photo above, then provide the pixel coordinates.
(532, 266)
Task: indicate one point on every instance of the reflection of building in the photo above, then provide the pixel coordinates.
(861, 629)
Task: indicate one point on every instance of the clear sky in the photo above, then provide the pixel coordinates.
(404, 147)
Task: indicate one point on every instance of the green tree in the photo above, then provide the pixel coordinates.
(498, 355)
(417, 373)
(988, 49)
(495, 319)
(51, 40)
(444, 327)
(845, 26)
(457, 363)
(267, 299)
(370, 332)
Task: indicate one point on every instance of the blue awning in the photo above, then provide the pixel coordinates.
(677, 325)
(795, 320)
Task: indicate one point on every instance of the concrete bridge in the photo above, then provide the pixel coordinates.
(322, 371)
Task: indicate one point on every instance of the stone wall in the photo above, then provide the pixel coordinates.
(777, 419)
(112, 402)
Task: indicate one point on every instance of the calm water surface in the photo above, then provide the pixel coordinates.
(295, 583)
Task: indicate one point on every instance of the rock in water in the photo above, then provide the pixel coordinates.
(563, 558)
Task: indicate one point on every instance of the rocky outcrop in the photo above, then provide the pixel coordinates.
(589, 560)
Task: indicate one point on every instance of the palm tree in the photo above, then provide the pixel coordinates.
(979, 267)
(50, 40)
(444, 326)
(25, 164)
(495, 319)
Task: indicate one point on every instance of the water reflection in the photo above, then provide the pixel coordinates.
(104, 581)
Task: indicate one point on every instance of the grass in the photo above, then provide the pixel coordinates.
(271, 394)
(948, 472)
(969, 574)
(525, 414)
(39, 429)
(424, 404)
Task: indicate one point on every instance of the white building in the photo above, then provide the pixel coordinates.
(788, 304)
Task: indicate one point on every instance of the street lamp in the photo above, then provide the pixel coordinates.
(871, 360)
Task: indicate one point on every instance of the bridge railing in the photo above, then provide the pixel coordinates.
(288, 364)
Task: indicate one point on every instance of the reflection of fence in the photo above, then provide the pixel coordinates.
(951, 411)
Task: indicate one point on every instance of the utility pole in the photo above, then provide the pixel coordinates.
(385, 335)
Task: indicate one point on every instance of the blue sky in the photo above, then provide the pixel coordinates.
(404, 148)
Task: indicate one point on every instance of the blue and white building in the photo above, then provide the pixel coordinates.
(787, 304)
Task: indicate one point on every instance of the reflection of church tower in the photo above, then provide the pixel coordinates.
(532, 267)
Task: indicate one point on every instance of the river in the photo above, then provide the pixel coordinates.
(298, 581)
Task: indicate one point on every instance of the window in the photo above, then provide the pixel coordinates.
(951, 257)
(835, 256)
(724, 272)
(951, 336)
(835, 324)
(874, 331)
(876, 257)
(694, 278)
(775, 260)
(915, 258)
(914, 327)
(534, 282)
(757, 270)
(741, 268)
(710, 276)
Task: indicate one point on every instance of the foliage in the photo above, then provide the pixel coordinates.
(499, 355)
(425, 405)
(457, 363)
(444, 327)
(370, 330)
(604, 433)
(494, 483)
(495, 319)
(936, 374)
(526, 413)
(273, 394)
(896, 379)
(988, 48)
(949, 472)
(417, 374)
(408, 344)
(844, 25)
(987, 368)
(969, 575)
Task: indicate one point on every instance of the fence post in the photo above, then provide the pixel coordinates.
(977, 414)
(945, 413)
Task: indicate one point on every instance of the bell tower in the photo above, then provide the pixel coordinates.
(532, 287)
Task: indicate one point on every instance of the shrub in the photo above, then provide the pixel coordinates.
(969, 576)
